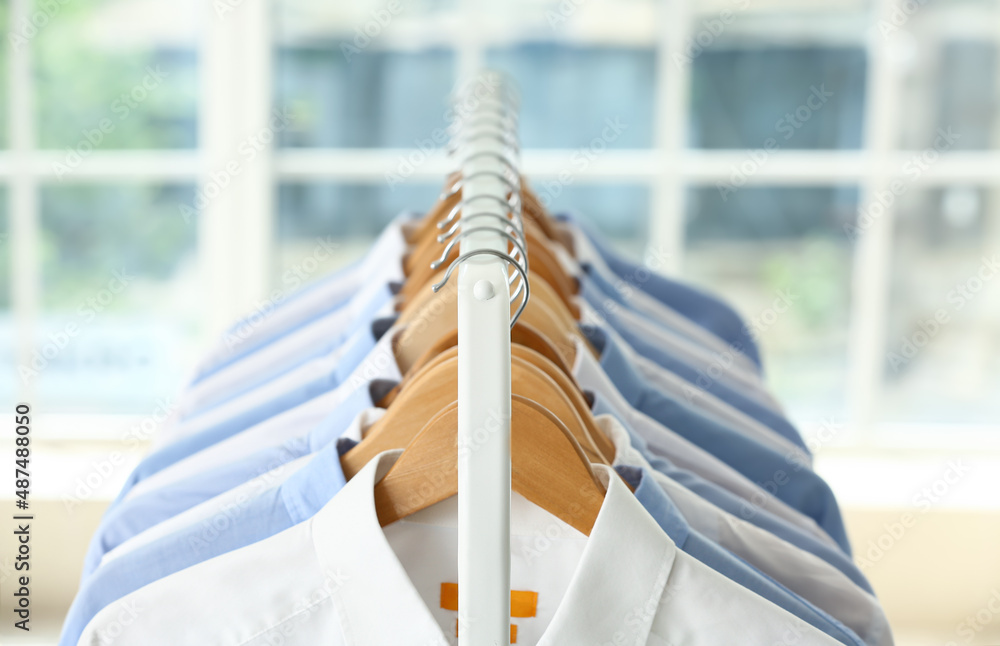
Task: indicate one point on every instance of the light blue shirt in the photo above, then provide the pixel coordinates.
(135, 515)
(332, 340)
(294, 501)
(672, 521)
(187, 446)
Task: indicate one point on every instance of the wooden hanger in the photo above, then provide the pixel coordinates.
(430, 316)
(569, 386)
(548, 467)
(437, 387)
(522, 333)
(525, 342)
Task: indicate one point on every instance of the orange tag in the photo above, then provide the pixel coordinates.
(449, 596)
(523, 603)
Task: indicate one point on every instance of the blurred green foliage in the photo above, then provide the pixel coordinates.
(818, 272)
(83, 83)
(91, 231)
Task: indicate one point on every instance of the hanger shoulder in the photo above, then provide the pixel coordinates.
(567, 385)
(429, 465)
(420, 401)
(528, 336)
(548, 467)
(531, 382)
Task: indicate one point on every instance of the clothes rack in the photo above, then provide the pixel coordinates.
(486, 222)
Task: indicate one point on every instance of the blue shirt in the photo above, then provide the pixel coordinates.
(332, 340)
(707, 311)
(594, 290)
(256, 342)
(275, 510)
(136, 515)
(785, 478)
(672, 521)
(733, 504)
(187, 446)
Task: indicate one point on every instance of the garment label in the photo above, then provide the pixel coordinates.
(523, 603)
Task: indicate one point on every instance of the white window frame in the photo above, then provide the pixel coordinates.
(231, 105)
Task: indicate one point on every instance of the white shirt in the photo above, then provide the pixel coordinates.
(340, 580)
(295, 422)
(803, 573)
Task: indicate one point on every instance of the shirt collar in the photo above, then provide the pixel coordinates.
(583, 248)
(347, 415)
(370, 355)
(612, 597)
(312, 487)
(630, 447)
(636, 470)
(601, 288)
(385, 258)
(615, 363)
(654, 500)
(374, 298)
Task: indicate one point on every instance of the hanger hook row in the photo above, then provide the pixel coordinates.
(456, 186)
(504, 137)
(506, 120)
(511, 222)
(518, 242)
(503, 256)
(513, 209)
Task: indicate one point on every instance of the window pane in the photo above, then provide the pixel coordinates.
(331, 212)
(950, 83)
(378, 99)
(116, 75)
(801, 97)
(782, 258)
(120, 310)
(571, 94)
(942, 362)
(358, 76)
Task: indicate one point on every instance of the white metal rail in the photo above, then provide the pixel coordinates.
(486, 221)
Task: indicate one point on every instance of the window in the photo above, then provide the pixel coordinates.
(749, 143)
